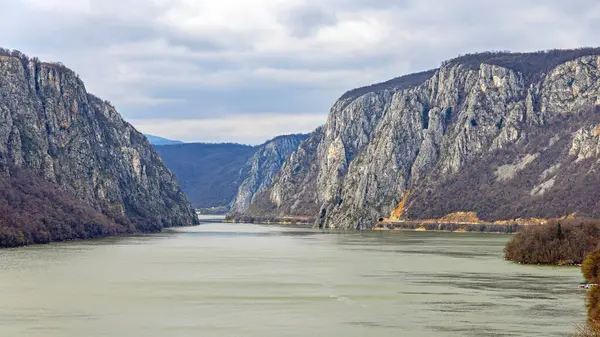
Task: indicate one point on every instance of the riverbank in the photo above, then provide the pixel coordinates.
(559, 242)
(269, 220)
(448, 226)
(416, 225)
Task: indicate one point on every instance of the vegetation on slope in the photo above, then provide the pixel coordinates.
(531, 65)
(207, 173)
(103, 176)
(34, 211)
(478, 188)
(402, 82)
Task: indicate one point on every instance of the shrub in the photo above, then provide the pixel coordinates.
(591, 272)
(565, 241)
(591, 267)
(35, 211)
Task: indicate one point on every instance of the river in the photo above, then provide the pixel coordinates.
(249, 280)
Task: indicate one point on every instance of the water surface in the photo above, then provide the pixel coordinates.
(249, 280)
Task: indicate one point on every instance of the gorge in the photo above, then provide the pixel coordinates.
(227, 176)
(501, 135)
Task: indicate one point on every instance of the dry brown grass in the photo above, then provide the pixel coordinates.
(461, 217)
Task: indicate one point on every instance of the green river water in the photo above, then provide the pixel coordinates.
(249, 280)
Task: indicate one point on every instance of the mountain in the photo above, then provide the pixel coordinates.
(155, 140)
(213, 175)
(262, 167)
(70, 167)
(208, 173)
(499, 135)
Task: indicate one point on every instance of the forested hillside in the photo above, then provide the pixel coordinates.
(209, 174)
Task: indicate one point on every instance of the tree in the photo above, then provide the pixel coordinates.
(591, 267)
(559, 233)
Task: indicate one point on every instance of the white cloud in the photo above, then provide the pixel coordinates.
(205, 59)
(68, 6)
(249, 129)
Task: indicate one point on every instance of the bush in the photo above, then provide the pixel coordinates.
(591, 272)
(591, 267)
(565, 241)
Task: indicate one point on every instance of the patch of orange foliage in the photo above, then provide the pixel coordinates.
(400, 210)
(461, 217)
(597, 131)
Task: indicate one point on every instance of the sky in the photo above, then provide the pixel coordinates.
(248, 70)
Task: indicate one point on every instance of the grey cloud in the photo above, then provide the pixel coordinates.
(211, 103)
(202, 43)
(372, 4)
(150, 70)
(306, 19)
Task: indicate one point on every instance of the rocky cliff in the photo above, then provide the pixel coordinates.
(499, 134)
(227, 176)
(53, 129)
(258, 172)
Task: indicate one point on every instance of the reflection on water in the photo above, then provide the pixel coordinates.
(249, 280)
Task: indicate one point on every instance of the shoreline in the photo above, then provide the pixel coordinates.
(283, 221)
(389, 225)
(103, 237)
(455, 227)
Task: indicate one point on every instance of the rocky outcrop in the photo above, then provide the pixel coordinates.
(258, 172)
(480, 127)
(51, 127)
(296, 177)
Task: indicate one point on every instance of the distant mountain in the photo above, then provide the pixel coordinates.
(156, 140)
(207, 173)
(219, 175)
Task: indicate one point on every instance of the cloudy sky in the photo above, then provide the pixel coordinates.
(248, 70)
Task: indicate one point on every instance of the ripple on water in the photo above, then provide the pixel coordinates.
(254, 281)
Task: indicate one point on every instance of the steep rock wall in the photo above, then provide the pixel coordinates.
(420, 137)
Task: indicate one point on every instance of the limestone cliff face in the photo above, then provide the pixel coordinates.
(523, 113)
(258, 172)
(51, 126)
